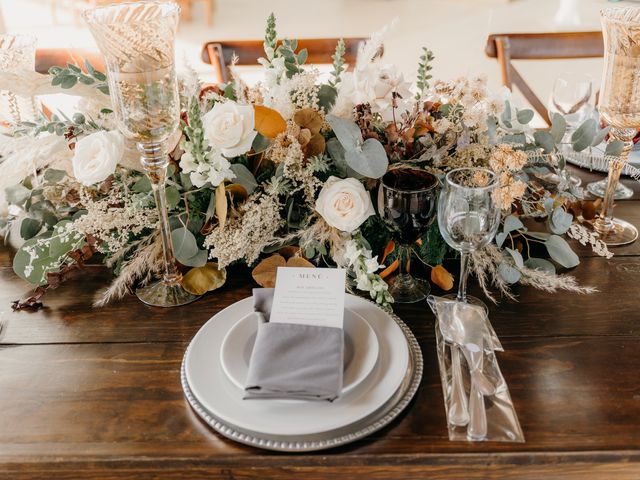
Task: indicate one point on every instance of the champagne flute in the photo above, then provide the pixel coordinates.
(468, 218)
(409, 208)
(620, 108)
(137, 41)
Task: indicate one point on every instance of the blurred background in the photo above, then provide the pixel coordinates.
(456, 30)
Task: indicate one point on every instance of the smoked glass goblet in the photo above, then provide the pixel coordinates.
(410, 197)
(137, 41)
(468, 218)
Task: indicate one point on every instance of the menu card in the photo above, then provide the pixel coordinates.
(309, 296)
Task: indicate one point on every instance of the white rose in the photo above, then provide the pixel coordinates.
(96, 156)
(230, 127)
(344, 204)
(376, 85)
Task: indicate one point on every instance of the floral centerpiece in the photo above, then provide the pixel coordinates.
(284, 172)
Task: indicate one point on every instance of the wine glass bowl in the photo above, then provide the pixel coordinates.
(571, 97)
(409, 199)
(468, 217)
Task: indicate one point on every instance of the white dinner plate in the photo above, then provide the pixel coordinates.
(209, 384)
(360, 350)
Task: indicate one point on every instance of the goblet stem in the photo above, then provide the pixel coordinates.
(168, 292)
(604, 223)
(155, 166)
(464, 274)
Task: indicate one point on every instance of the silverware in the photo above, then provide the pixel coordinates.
(458, 409)
(480, 386)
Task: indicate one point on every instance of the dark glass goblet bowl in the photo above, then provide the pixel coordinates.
(410, 198)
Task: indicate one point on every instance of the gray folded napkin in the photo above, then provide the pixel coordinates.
(303, 362)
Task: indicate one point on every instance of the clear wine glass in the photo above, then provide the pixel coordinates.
(571, 98)
(137, 41)
(468, 218)
(410, 197)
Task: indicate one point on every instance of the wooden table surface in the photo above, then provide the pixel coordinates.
(88, 394)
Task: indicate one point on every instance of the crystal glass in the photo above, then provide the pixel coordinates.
(17, 54)
(619, 107)
(137, 41)
(410, 197)
(571, 97)
(468, 218)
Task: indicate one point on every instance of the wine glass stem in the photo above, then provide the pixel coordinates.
(604, 224)
(155, 164)
(464, 273)
(404, 252)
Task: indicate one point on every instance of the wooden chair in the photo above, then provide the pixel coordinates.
(187, 8)
(220, 54)
(50, 57)
(539, 46)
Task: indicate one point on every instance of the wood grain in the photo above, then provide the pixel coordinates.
(95, 394)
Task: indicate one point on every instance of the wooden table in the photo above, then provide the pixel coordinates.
(96, 393)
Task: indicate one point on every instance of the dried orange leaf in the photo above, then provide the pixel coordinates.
(221, 205)
(300, 262)
(308, 118)
(200, 280)
(265, 272)
(268, 122)
(315, 146)
(390, 269)
(441, 277)
(237, 191)
(391, 246)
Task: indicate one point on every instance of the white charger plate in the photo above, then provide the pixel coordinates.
(360, 350)
(216, 399)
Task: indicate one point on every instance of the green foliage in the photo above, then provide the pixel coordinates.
(67, 77)
(338, 64)
(424, 67)
(376, 233)
(270, 38)
(433, 248)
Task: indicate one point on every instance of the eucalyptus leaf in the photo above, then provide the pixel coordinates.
(62, 242)
(198, 260)
(52, 175)
(545, 140)
(142, 186)
(558, 127)
(560, 221)
(517, 257)
(540, 264)
(327, 95)
(347, 132)
(512, 223)
(539, 235)
(260, 144)
(505, 117)
(560, 251)
(337, 153)
(583, 137)
(184, 244)
(501, 237)
(244, 177)
(524, 116)
(30, 227)
(614, 148)
(32, 261)
(173, 197)
(599, 137)
(508, 273)
(371, 161)
(17, 194)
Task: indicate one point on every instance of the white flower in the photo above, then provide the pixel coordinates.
(376, 84)
(344, 204)
(96, 156)
(351, 252)
(215, 170)
(230, 127)
(442, 126)
(372, 265)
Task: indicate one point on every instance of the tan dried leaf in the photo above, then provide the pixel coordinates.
(308, 118)
(200, 280)
(221, 205)
(269, 122)
(265, 272)
(300, 263)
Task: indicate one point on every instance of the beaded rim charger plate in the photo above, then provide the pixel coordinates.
(304, 426)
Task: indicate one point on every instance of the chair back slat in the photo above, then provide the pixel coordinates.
(506, 47)
(51, 57)
(220, 54)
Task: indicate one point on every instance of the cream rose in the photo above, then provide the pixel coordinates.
(230, 127)
(96, 156)
(344, 204)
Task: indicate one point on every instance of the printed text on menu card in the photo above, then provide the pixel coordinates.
(309, 296)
